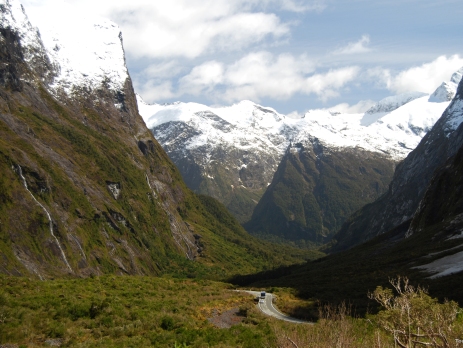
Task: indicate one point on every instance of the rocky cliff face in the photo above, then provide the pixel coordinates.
(85, 188)
(441, 204)
(410, 181)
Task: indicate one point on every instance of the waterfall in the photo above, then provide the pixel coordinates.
(78, 244)
(50, 222)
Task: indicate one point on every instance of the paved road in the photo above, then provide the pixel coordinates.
(268, 308)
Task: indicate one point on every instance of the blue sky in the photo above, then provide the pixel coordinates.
(288, 54)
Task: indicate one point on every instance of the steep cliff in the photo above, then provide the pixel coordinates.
(85, 188)
(410, 181)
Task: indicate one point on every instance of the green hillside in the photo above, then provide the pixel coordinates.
(315, 190)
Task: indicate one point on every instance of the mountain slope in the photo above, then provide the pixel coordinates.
(232, 153)
(85, 188)
(315, 189)
(410, 181)
(220, 155)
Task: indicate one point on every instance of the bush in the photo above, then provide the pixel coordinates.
(413, 317)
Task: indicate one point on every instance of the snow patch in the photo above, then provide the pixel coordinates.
(444, 266)
(14, 18)
(457, 236)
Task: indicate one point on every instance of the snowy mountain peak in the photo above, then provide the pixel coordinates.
(394, 102)
(446, 91)
(85, 51)
(456, 77)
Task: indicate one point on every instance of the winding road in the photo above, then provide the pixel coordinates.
(268, 308)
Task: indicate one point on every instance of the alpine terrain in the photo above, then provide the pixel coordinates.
(294, 179)
(412, 176)
(424, 244)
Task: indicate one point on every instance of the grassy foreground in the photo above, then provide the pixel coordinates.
(131, 311)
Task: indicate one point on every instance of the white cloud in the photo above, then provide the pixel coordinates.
(153, 90)
(262, 75)
(357, 47)
(164, 69)
(184, 28)
(302, 6)
(202, 78)
(327, 85)
(358, 108)
(425, 78)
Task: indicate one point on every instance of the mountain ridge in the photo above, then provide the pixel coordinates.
(232, 153)
(410, 181)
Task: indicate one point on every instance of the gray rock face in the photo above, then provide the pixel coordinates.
(238, 175)
(410, 181)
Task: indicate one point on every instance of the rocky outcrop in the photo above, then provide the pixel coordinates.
(446, 91)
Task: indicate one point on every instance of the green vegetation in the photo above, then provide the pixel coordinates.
(240, 201)
(124, 311)
(413, 318)
(349, 275)
(129, 311)
(312, 195)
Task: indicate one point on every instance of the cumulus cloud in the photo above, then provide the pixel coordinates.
(327, 85)
(155, 90)
(187, 28)
(203, 78)
(163, 69)
(360, 46)
(424, 78)
(263, 75)
(302, 6)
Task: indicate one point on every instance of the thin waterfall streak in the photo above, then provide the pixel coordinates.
(50, 222)
(80, 247)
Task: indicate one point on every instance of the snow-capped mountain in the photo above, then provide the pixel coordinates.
(228, 152)
(392, 103)
(412, 179)
(446, 90)
(75, 155)
(85, 52)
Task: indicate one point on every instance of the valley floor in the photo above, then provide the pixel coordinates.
(127, 311)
